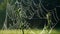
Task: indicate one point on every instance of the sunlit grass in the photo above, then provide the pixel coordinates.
(32, 31)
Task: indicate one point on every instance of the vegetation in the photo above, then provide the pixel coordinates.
(35, 31)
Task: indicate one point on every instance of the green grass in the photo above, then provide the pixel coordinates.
(32, 31)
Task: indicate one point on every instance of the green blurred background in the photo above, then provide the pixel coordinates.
(33, 22)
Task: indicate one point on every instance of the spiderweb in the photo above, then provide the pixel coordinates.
(21, 10)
